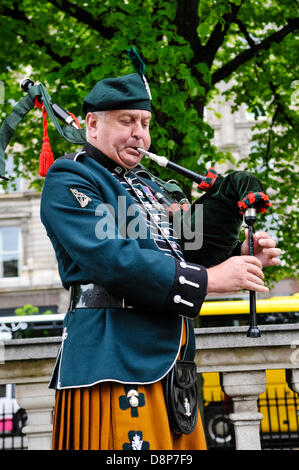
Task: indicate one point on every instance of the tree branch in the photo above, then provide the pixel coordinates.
(186, 21)
(84, 16)
(19, 15)
(277, 98)
(269, 140)
(245, 33)
(243, 57)
(217, 36)
(279, 104)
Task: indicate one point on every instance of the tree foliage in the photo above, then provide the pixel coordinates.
(188, 47)
(29, 309)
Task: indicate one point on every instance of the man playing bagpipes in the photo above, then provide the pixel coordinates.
(124, 375)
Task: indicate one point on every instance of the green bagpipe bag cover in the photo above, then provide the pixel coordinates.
(222, 209)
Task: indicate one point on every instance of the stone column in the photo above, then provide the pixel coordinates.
(292, 376)
(38, 401)
(244, 388)
(29, 363)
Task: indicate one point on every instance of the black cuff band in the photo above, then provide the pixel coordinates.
(189, 289)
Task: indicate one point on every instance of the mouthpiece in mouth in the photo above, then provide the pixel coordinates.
(162, 161)
(144, 152)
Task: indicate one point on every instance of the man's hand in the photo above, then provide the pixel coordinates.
(264, 248)
(237, 273)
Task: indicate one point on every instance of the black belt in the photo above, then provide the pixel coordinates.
(94, 296)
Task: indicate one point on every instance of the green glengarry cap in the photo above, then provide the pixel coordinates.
(126, 92)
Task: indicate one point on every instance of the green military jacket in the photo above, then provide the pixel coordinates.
(86, 208)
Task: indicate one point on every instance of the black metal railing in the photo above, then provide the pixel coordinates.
(280, 425)
(12, 422)
(279, 428)
(218, 428)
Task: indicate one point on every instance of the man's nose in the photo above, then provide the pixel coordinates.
(137, 131)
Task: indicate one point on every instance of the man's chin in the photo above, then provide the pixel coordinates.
(128, 160)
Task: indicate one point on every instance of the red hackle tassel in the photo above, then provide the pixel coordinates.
(46, 157)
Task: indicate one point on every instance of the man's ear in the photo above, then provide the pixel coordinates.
(92, 125)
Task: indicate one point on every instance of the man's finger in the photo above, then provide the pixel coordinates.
(266, 242)
(274, 262)
(257, 287)
(272, 252)
(252, 269)
(262, 235)
(255, 279)
(252, 260)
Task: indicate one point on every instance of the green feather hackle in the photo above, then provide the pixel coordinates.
(136, 61)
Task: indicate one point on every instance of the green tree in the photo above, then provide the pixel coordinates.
(29, 309)
(188, 46)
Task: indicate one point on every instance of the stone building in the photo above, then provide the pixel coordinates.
(28, 268)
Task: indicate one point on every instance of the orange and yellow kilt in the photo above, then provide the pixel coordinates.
(100, 418)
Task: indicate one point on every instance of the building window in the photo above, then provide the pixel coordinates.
(14, 186)
(10, 251)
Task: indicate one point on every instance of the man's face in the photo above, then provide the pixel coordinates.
(118, 133)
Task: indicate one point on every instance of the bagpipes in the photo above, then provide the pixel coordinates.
(226, 201)
(226, 198)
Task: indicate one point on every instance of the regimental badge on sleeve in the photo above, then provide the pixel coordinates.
(81, 198)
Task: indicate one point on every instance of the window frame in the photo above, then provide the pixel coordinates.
(18, 251)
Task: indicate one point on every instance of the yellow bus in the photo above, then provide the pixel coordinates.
(278, 404)
(274, 310)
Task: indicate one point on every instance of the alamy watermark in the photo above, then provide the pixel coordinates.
(152, 221)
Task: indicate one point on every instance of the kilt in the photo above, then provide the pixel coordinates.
(100, 417)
